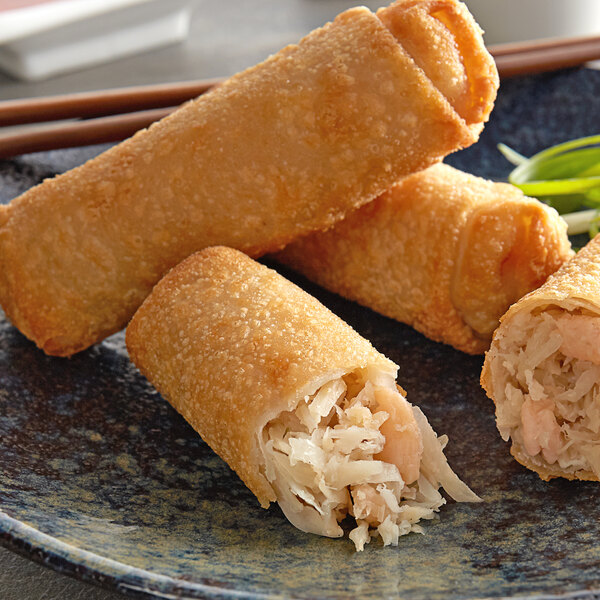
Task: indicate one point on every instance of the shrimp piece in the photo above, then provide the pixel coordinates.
(541, 432)
(403, 441)
(368, 505)
(581, 337)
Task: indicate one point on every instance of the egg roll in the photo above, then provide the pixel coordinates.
(543, 372)
(443, 251)
(279, 150)
(302, 407)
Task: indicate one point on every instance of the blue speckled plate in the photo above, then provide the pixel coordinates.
(101, 479)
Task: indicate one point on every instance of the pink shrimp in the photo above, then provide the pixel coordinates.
(541, 432)
(403, 442)
(581, 337)
(368, 505)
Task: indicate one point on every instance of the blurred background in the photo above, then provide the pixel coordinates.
(195, 39)
(62, 46)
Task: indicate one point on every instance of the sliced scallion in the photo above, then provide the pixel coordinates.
(565, 176)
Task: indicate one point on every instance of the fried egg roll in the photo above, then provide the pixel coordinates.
(442, 251)
(279, 150)
(303, 408)
(543, 372)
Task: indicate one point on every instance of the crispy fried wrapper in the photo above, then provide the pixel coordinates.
(442, 251)
(543, 372)
(284, 148)
(302, 407)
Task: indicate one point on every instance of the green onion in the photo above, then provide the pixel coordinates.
(511, 155)
(579, 222)
(566, 177)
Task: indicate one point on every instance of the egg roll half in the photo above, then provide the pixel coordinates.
(303, 408)
(284, 148)
(543, 372)
(442, 251)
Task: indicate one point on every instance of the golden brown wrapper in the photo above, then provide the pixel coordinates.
(443, 251)
(231, 344)
(458, 65)
(284, 148)
(548, 472)
(573, 290)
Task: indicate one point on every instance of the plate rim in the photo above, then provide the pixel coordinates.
(104, 572)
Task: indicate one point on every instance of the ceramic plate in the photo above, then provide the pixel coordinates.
(101, 479)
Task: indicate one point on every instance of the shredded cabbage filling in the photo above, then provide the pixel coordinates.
(360, 449)
(549, 373)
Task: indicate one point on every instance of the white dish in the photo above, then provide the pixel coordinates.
(57, 36)
(521, 20)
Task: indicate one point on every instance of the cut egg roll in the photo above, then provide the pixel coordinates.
(303, 408)
(543, 372)
(284, 148)
(443, 251)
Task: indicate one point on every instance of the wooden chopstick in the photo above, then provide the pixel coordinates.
(79, 133)
(541, 44)
(544, 55)
(511, 59)
(98, 104)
